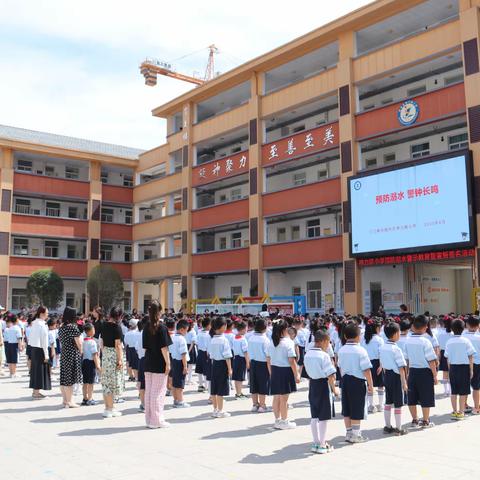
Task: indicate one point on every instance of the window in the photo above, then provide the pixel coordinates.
(420, 150)
(49, 171)
(455, 79)
(22, 206)
(236, 240)
(51, 249)
(222, 198)
(299, 178)
(128, 217)
(295, 232)
(296, 291)
(72, 251)
(148, 255)
(20, 246)
(107, 215)
(236, 194)
(70, 299)
(128, 253)
(387, 101)
(313, 228)
(106, 252)
(19, 298)
(369, 107)
(104, 176)
(322, 174)
(281, 234)
(370, 162)
(314, 294)
(388, 158)
(235, 292)
(128, 180)
(299, 128)
(222, 243)
(72, 172)
(52, 209)
(127, 301)
(72, 212)
(457, 142)
(24, 166)
(416, 91)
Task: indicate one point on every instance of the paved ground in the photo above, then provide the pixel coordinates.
(39, 440)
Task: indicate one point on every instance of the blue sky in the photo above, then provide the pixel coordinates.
(72, 67)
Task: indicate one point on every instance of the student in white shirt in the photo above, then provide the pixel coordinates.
(472, 334)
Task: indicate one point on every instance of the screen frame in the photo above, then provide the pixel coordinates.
(467, 154)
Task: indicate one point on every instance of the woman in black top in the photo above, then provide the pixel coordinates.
(156, 340)
(113, 381)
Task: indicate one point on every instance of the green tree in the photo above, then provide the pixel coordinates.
(45, 287)
(105, 287)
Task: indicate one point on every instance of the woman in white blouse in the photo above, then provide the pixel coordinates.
(40, 368)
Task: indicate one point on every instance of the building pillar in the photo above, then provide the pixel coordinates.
(256, 223)
(349, 157)
(469, 34)
(6, 186)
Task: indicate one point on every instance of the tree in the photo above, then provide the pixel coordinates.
(105, 287)
(45, 287)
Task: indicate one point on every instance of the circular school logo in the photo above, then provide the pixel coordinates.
(357, 185)
(408, 112)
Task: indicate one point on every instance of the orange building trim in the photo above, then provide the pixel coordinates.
(60, 187)
(49, 226)
(223, 214)
(24, 266)
(117, 194)
(124, 269)
(224, 261)
(116, 231)
(222, 168)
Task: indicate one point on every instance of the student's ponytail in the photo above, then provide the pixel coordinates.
(217, 324)
(371, 329)
(279, 326)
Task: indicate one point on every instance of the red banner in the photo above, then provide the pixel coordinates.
(220, 169)
(301, 144)
(417, 257)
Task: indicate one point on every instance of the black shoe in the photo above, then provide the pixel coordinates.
(388, 430)
(399, 431)
(84, 403)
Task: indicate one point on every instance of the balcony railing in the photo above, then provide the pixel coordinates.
(24, 209)
(52, 212)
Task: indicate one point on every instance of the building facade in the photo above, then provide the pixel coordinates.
(249, 195)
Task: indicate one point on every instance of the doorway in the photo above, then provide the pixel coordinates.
(375, 296)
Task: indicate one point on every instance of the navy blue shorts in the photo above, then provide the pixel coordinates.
(239, 368)
(193, 354)
(11, 352)
(282, 381)
(259, 378)
(475, 381)
(220, 384)
(58, 348)
(421, 388)
(201, 365)
(320, 399)
(377, 379)
(460, 379)
(88, 371)
(301, 356)
(132, 357)
(354, 391)
(29, 351)
(178, 378)
(393, 389)
(141, 372)
(443, 365)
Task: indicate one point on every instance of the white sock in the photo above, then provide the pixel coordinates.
(398, 418)
(208, 385)
(445, 386)
(370, 400)
(387, 413)
(322, 429)
(381, 394)
(449, 388)
(201, 380)
(314, 427)
(356, 432)
(190, 373)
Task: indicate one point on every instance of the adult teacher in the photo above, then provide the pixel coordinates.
(155, 340)
(39, 354)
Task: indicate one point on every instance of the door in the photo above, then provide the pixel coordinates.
(375, 296)
(147, 299)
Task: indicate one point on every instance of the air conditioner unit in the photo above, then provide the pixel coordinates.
(148, 217)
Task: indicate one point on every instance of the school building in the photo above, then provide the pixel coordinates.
(292, 174)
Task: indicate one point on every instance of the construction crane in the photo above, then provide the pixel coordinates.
(152, 67)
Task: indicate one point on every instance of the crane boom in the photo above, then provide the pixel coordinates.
(151, 67)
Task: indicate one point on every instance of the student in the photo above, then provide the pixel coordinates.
(321, 372)
(258, 346)
(355, 368)
(472, 334)
(191, 339)
(131, 352)
(202, 365)
(404, 331)
(444, 334)
(422, 373)
(179, 353)
(90, 363)
(229, 335)
(241, 361)
(459, 352)
(220, 354)
(372, 341)
(141, 364)
(170, 324)
(300, 341)
(13, 343)
(393, 363)
(284, 375)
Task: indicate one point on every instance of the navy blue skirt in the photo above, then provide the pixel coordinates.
(377, 378)
(282, 381)
(201, 365)
(208, 369)
(220, 384)
(193, 354)
(239, 368)
(141, 372)
(320, 399)
(443, 365)
(11, 352)
(259, 378)
(301, 356)
(178, 377)
(29, 352)
(132, 358)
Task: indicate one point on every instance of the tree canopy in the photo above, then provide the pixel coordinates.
(105, 287)
(45, 287)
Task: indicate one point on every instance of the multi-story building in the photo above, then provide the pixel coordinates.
(250, 193)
